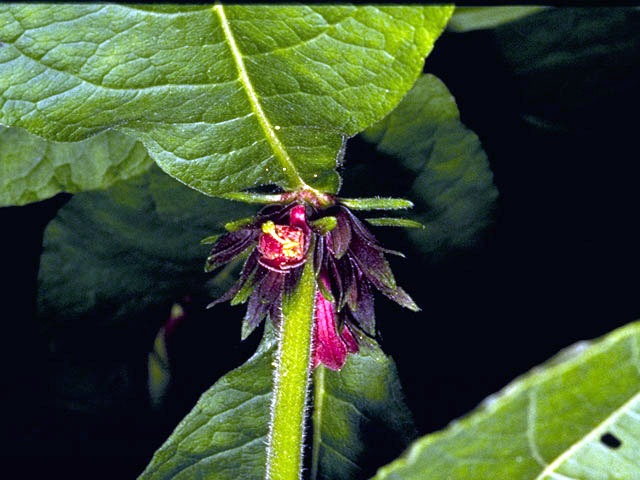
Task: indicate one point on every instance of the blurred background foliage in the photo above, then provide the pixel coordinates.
(553, 99)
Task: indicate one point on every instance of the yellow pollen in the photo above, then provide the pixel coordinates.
(269, 227)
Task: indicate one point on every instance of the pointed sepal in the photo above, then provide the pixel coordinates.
(394, 222)
(376, 203)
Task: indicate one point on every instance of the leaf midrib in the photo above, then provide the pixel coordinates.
(280, 153)
(569, 452)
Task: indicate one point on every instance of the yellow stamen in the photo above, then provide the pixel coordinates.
(270, 228)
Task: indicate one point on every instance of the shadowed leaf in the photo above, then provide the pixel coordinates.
(32, 169)
(448, 173)
(359, 415)
(109, 255)
(224, 436)
(466, 19)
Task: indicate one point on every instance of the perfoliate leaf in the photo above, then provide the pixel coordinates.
(223, 97)
(358, 414)
(109, 255)
(576, 417)
(224, 436)
(32, 169)
(466, 19)
(450, 180)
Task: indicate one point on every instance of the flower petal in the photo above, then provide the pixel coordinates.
(357, 226)
(298, 218)
(328, 347)
(349, 341)
(229, 246)
(336, 281)
(249, 286)
(376, 268)
(267, 293)
(402, 298)
(247, 276)
(363, 311)
(340, 237)
(372, 263)
(346, 273)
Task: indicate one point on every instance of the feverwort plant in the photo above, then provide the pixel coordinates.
(249, 112)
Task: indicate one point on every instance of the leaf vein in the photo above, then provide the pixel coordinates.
(347, 402)
(225, 451)
(531, 416)
(225, 411)
(274, 142)
(567, 454)
(337, 452)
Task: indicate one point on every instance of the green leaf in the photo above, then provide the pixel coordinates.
(223, 98)
(394, 222)
(32, 169)
(224, 436)
(235, 225)
(451, 184)
(324, 225)
(358, 412)
(210, 239)
(376, 203)
(466, 19)
(553, 423)
(111, 254)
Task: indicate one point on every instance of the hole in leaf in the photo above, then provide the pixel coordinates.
(610, 440)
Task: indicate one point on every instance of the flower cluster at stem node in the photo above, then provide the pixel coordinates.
(348, 262)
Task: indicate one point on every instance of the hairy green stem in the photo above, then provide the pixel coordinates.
(318, 399)
(288, 410)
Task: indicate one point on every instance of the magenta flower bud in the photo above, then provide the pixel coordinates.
(329, 347)
(283, 247)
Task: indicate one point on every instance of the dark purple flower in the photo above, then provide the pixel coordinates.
(348, 261)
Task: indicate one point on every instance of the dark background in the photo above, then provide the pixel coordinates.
(554, 99)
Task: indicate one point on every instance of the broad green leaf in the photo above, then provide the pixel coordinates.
(359, 416)
(33, 169)
(450, 182)
(225, 435)
(466, 19)
(223, 97)
(110, 254)
(576, 417)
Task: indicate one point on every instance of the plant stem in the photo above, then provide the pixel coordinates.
(318, 400)
(288, 410)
